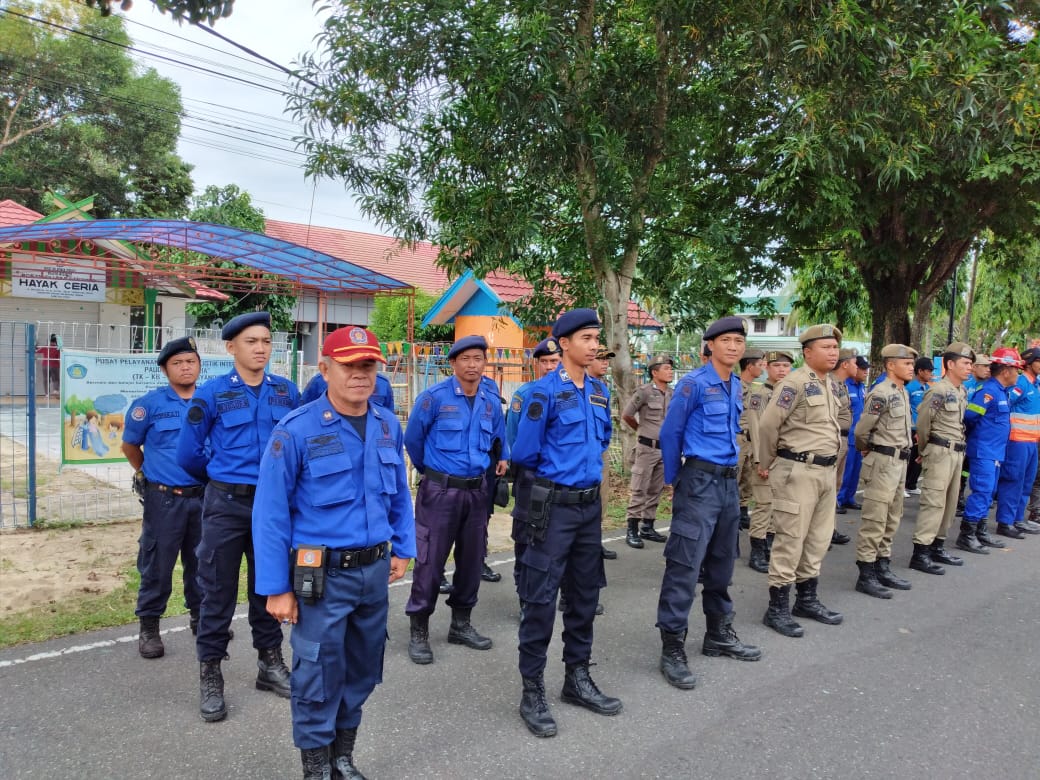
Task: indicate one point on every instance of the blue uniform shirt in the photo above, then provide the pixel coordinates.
(857, 397)
(516, 405)
(702, 421)
(988, 422)
(237, 422)
(1024, 396)
(382, 395)
(916, 390)
(564, 431)
(154, 421)
(444, 434)
(971, 385)
(320, 484)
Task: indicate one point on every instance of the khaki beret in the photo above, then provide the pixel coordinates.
(779, 356)
(961, 349)
(660, 360)
(898, 351)
(753, 353)
(846, 354)
(819, 332)
(982, 360)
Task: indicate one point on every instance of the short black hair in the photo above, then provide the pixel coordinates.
(923, 364)
(745, 362)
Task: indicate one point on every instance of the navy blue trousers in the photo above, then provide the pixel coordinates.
(227, 535)
(572, 544)
(338, 645)
(172, 526)
(705, 526)
(445, 516)
(1015, 483)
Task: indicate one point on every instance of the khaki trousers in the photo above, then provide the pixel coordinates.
(940, 482)
(843, 454)
(883, 477)
(803, 520)
(745, 466)
(646, 484)
(762, 509)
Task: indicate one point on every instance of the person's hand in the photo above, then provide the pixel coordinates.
(501, 468)
(139, 483)
(283, 607)
(763, 473)
(398, 568)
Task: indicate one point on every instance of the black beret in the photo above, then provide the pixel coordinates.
(238, 324)
(467, 342)
(575, 320)
(731, 324)
(546, 347)
(176, 347)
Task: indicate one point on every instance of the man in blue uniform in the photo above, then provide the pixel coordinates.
(564, 431)
(915, 389)
(854, 460)
(232, 416)
(449, 439)
(699, 450)
(333, 526)
(1018, 468)
(383, 394)
(171, 496)
(988, 426)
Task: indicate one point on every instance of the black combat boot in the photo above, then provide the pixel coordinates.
(579, 688)
(607, 555)
(211, 692)
(445, 587)
(868, 581)
(488, 574)
(888, 578)
(1028, 527)
(778, 615)
(193, 624)
(646, 531)
(837, 537)
(343, 756)
(967, 540)
(938, 554)
(984, 537)
(808, 605)
(1010, 531)
(721, 639)
(534, 708)
(419, 641)
(316, 765)
(461, 631)
(673, 661)
(149, 643)
(273, 675)
(632, 537)
(745, 519)
(758, 559)
(921, 560)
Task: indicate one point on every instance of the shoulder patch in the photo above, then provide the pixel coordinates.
(139, 413)
(278, 441)
(937, 401)
(534, 410)
(786, 397)
(986, 398)
(755, 402)
(517, 405)
(876, 406)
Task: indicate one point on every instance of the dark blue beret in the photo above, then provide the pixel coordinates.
(467, 342)
(546, 347)
(238, 324)
(574, 320)
(731, 324)
(176, 347)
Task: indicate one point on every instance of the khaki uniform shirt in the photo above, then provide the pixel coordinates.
(941, 413)
(745, 393)
(886, 418)
(650, 404)
(756, 403)
(841, 392)
(802, 416)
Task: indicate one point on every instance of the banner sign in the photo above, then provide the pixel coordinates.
(65, 281)
(96, 391)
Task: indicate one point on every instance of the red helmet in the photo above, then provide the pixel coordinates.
(1006, 356)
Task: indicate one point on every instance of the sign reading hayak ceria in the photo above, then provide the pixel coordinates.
(66, 281)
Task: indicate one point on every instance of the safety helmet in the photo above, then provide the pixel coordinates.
(1006, 356)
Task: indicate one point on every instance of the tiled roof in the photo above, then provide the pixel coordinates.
(381, 254)
(12, 213)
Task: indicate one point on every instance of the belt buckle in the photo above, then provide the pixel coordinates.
(346, 558)
(177, 491)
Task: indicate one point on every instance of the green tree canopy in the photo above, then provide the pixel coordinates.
(390, 319)
(78, 117)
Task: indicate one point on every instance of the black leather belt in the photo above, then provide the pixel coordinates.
(352, 559)
(845, 432)
(892, 452)
(729, 472)
(956, 446)
(565, 494)
(649, 442)
(447, 480)
(808, 457)
(245, 491)
(187, 491)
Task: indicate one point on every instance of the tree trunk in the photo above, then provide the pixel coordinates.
(965, 333)
(889, 303)
(921, 326)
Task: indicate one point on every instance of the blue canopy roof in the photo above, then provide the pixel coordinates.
(304, 266)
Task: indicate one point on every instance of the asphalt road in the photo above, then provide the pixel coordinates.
(940, 681)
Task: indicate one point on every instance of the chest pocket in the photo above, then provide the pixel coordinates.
(487, 427)
(333, 480)
(951, 405)
(239, 429)
(716, 417)
(602, 416)
(655, 407)
(389, 465)
(816, 408)
(571, 428)
(449, 433)
(167, 430)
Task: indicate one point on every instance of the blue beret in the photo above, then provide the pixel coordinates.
(729, 324)
(467, 342)
(546, 347)
(176, 347)
(574, 320)
(238, 324)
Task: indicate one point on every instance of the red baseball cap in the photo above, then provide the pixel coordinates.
(351, 345)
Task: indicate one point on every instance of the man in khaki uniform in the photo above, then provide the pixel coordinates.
(648, 402)
(940, 440)
(798, 451)
(778, 365)
(751, 368)
(883, 436)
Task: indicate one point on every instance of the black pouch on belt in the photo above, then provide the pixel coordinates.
(538, 511)
(308, 567)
